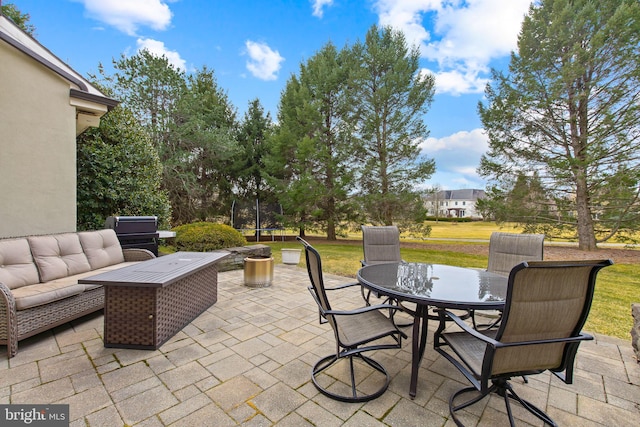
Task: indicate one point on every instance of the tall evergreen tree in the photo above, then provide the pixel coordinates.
(316, 128)
(393, 97)
(150, 86)
(254, 140)
(200, 149)
(568, 110)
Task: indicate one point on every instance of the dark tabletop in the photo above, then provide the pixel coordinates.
(436, 284)
(157, 272)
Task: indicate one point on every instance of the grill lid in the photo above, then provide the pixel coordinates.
(132, 224)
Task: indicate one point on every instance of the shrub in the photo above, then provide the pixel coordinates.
(207, 236)
(450, 219)
(119, 173)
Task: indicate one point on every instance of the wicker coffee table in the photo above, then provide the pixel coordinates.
(147, 303)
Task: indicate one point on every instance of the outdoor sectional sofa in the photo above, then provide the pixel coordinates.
(39, 275)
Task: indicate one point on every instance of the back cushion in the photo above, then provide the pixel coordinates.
(17, 268)
(101, 247)
(58, 255)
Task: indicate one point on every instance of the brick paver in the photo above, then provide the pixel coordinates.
(247, 361)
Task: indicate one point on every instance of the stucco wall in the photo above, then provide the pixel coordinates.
(37, 149)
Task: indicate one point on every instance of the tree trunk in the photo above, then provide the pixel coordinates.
(331, 229)
(586, 234)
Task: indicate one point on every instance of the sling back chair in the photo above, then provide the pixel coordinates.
(547, 304)
(355, 332)
(381, 244)
(506, 250)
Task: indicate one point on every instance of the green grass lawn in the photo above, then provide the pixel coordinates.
(617, 286)
(468, 230)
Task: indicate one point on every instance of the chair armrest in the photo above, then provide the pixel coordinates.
(498, 344)
(6, 299)
(346, 285)
(135, 254)
(464, 326)
(8, 319)
(582, 337)
(363, 310)
(324, 313)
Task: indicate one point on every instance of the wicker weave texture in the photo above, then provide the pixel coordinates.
(136, 254)
(16, 325)
(129, 316)
(147, 317)
(42, 317)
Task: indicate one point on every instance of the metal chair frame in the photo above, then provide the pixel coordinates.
(468, 345)
(506, 250)
(348, 346)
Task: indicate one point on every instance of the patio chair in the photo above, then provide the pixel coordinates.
(506, 250)
(380, 244)
(546, 307)
(355, 332)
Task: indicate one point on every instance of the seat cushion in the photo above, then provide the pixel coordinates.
(101, 247)
(17, 268)
(44, 293)
(64, 287)
(58, 255)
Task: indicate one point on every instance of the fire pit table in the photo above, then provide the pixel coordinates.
(148, 303)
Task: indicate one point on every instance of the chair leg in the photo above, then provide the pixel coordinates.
(504, 389)
(453, 409)
(328, 361)
(484, 326)
(509, 393)
(411, 313)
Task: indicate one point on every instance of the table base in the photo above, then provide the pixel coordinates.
(146, 317)
(419, 344)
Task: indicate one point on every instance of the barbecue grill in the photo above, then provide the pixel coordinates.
(135, 231)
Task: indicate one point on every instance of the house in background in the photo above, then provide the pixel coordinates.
(44, 105)
(454, 203)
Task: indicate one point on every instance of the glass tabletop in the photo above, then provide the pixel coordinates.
(436, 284)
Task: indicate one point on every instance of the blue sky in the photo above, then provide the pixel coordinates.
(253, 46)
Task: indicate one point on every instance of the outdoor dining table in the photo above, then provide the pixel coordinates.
(433, 285)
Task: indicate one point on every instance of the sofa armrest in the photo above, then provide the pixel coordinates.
(8, 320)
(134, 254)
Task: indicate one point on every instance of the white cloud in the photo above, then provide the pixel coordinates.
(159, 49)
(459, 81)
(406, 15)
(474, 142)
(264, 63)
(127, 16)
(465, 36)
(475, 34)
(318, 6)
(457, 157)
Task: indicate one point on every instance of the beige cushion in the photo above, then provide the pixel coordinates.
(58, 255)
(16, 264)
(44, 293)
(101, 247)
